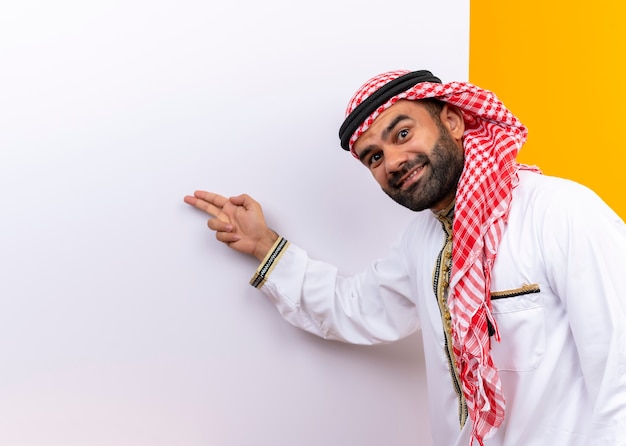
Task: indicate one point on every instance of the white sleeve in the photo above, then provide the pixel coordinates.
(372, 307)
(585, 249)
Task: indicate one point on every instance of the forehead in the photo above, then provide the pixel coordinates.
(414, 110)
(402, 106)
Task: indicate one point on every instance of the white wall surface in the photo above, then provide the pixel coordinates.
(122, 320)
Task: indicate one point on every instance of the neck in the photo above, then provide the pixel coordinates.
(444, 207)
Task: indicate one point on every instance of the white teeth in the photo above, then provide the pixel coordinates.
(415, 172)
(412, 175)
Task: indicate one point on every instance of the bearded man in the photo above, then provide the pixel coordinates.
(513, 277)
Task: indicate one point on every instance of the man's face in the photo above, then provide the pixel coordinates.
(416, 159)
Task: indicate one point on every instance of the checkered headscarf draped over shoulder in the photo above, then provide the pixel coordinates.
(492, 139)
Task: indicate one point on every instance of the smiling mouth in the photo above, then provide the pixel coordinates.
(409, 177)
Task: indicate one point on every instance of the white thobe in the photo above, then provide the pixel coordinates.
(562, 355)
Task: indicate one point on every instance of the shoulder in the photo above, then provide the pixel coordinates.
(544, 191)
(549, 199)
(538, 186)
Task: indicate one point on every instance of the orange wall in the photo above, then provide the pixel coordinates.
(560, 67)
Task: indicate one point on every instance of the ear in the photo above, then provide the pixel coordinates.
(452, 118)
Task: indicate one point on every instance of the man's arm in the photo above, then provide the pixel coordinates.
(372, 307)
(237, 221)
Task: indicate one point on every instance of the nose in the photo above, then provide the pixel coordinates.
(394, 160)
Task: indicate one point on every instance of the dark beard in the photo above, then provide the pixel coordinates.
(443, 170)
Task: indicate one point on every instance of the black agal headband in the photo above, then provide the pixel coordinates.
(378, 98)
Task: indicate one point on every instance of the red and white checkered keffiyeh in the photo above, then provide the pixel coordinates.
(492, 139)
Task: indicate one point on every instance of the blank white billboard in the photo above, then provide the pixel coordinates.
(123, 322)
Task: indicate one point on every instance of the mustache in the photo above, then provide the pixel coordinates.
(397, 178)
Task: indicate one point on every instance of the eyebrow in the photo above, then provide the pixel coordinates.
(385, 134)
(392, 124)
(365, 152)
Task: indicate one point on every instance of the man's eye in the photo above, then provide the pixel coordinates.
(403, 134)
(375, 158)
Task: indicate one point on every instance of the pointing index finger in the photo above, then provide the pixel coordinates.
(208, 202)
(212, 198)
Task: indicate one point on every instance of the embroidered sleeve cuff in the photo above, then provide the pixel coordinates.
(268, 263)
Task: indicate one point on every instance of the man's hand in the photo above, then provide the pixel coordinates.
(237, 221)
